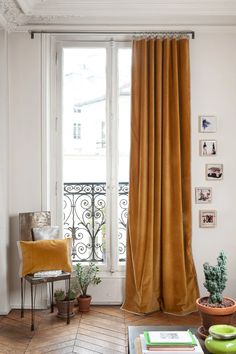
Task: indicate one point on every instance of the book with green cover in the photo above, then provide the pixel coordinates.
(169, 338)
(196, 349)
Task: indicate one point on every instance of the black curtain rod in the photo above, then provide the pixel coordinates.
(192, 33)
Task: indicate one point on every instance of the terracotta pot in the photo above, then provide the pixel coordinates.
(214, 315)
(62, 308)
(84, 303)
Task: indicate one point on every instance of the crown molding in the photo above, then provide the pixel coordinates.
(3, 22)
(25, 6)
(11, 13)
(21, 15)
(132, 7)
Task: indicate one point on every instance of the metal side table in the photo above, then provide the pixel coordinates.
(34, 281)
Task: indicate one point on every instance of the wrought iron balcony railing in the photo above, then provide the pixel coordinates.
(85, 220)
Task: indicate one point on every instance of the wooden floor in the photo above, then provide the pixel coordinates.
(102, 330)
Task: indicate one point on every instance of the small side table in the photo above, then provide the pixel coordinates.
(35, 281)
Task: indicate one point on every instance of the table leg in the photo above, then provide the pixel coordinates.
(68, 304)
(52, 308)
(22, 297)
(32, 306)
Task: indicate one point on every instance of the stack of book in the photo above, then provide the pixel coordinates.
(169, 342)
(48, 273)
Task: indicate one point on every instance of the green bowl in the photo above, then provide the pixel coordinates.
(218, 346)
(222, 331)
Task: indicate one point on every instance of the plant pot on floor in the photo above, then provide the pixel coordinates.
(63, 300)
(62, 306)
(215, 309)
(84, 303)
(211, 315)
(86, 275)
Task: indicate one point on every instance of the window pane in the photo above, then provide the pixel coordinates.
(84, 151)
(124, 62)
(84, 105)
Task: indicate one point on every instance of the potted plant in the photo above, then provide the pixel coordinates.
(63, 299)
(86, 275)
(215, 309)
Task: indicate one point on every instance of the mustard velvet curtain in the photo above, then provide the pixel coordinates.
(160, 272)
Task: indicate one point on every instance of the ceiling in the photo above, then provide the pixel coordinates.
(22, 15)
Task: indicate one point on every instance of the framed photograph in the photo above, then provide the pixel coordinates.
(207, 147)
(207, 124)
(207, 218)
(214, 171)
(203, 195)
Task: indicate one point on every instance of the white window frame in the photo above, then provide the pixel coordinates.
(52, 194)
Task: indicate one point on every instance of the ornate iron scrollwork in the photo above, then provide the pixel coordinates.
(85, 220)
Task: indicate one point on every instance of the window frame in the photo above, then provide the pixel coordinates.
(54, 45)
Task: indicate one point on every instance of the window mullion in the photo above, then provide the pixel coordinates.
(108, 159)
(56, 166)
(113, 154)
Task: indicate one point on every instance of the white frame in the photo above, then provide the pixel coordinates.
(52, 194)
(212, 124)
(46, 92)
(203, 214)
(208, 148)
(206, 193)
(59, 42)
(212, 166)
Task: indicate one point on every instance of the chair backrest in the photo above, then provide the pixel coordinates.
(27, 221)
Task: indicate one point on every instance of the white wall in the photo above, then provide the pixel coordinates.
(213, 91)
(25, 140)
(4, 212)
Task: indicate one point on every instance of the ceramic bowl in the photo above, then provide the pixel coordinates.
(220, 346)
(222, 331)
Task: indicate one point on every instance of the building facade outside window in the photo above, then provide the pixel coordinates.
(77, 131)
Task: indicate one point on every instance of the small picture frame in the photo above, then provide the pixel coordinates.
(207, 124)
(214, 172)
(207, 218)
(203, 195)
(207, 147)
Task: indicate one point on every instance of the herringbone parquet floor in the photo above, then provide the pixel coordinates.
(103, 330)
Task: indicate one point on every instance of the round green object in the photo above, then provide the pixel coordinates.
(219, 346)
(222, 331)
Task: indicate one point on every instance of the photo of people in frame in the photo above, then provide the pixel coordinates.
(208, 147)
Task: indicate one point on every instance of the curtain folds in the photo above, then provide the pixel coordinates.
(160, 272)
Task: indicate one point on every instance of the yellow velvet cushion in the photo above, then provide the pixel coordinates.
(44, 255)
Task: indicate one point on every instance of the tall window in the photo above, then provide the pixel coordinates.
(95, 87)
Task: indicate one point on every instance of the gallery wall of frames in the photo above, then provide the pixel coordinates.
(208, 150)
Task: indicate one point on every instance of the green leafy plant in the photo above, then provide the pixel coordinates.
(74, 284)
(86, 275)
(61, 295)
(216, 278)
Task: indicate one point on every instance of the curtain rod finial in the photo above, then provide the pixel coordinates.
(32, 35)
